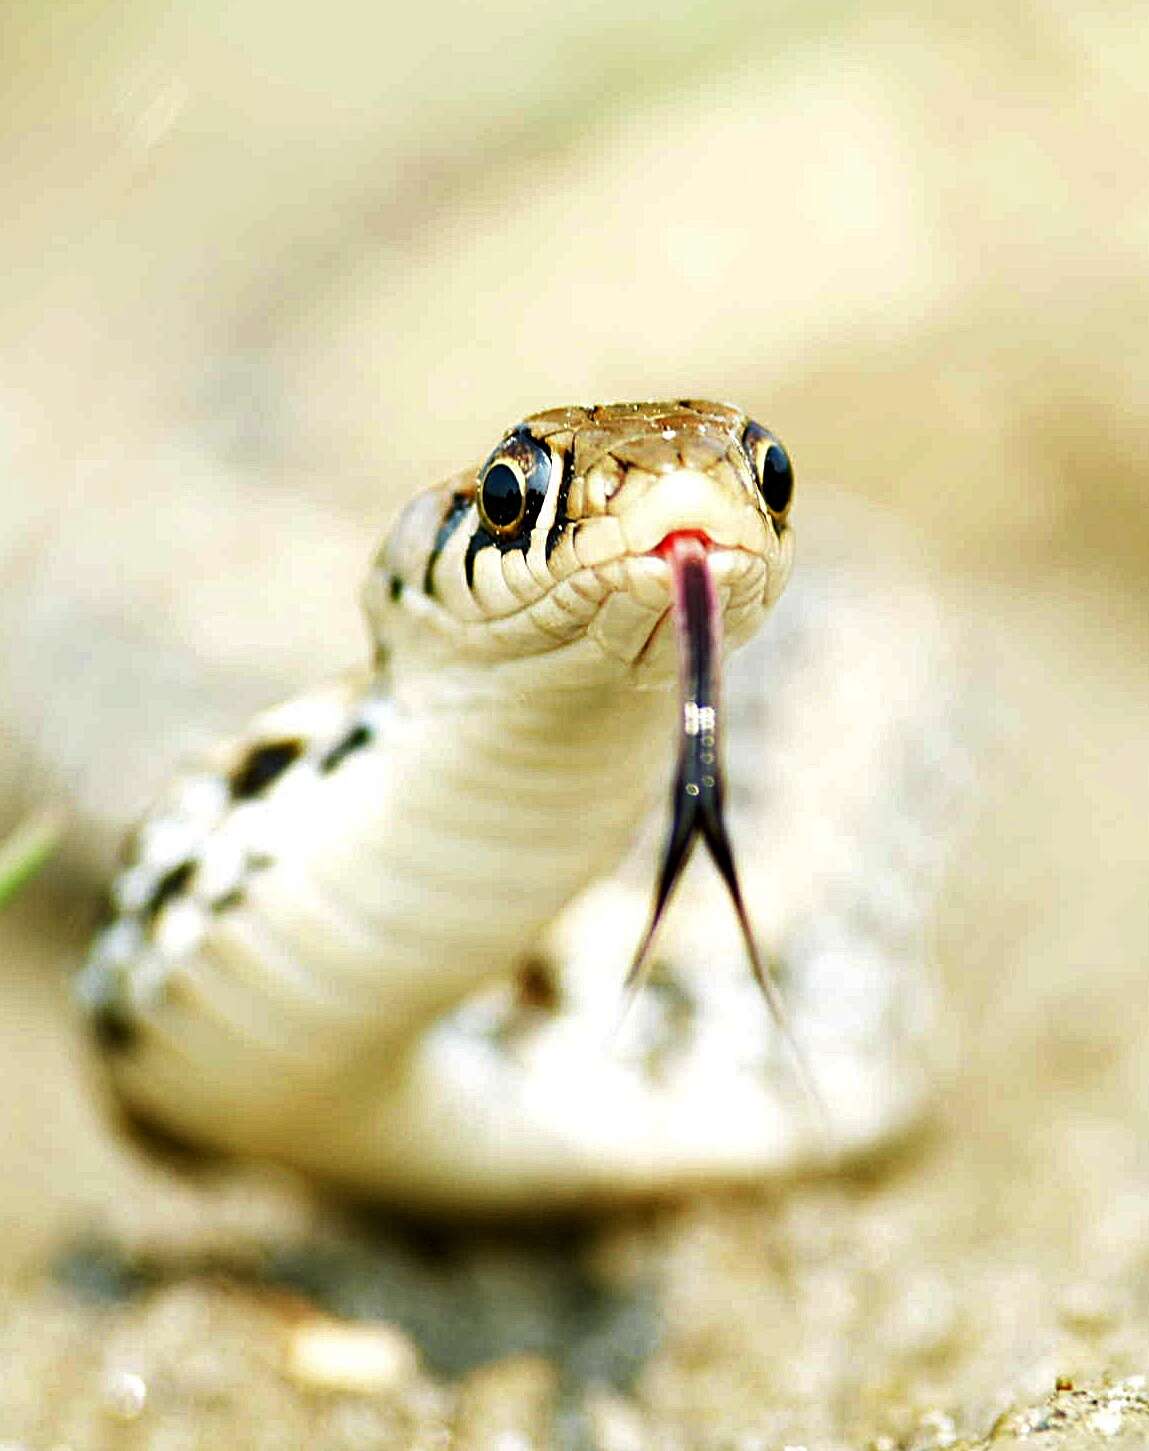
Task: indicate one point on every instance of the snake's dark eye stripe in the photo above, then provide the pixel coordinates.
(773, 471)
(457, 509)
(170, 885)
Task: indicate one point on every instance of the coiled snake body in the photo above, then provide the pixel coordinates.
(382, 936)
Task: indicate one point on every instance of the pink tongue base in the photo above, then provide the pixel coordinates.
(697, 792)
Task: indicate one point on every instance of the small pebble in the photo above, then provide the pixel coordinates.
(939, 1428)
(125, 1394)
(507, 1405)
(617, 1425)
(1106, 1420)
(361, 1359)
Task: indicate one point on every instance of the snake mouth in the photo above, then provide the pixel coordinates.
(668, 546)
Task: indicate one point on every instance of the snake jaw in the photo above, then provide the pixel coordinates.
(744, 561)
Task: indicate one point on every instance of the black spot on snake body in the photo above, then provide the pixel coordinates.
(261, 766)
(535, 986)
(113, 1029)
(170, 885)
(229, 900)
(356, 738)
(106, 912)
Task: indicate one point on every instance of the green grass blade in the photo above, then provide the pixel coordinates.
(25, 850)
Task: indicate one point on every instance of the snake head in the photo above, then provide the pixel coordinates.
(583, 533)
(553, 546)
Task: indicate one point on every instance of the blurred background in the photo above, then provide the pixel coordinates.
(266, 269)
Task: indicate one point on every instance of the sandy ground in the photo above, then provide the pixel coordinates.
(933, 283)
(917, 1300)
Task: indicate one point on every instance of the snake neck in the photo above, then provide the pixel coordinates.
(455, 843)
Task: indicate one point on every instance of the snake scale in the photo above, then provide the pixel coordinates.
(382, 936)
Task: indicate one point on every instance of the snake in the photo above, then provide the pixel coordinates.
(398, 934)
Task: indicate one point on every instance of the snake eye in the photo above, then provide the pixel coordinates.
(502, 496)
(512, 485)
(772, 469)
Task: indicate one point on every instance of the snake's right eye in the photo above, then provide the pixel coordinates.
(772, 469)
(502, 496)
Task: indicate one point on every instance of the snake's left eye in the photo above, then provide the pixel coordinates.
(772, 469)
(512, 484)
(502, 496)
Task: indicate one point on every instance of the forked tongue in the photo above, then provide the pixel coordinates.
(697, 794)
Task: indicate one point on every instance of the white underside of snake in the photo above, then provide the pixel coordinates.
(383, 937)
